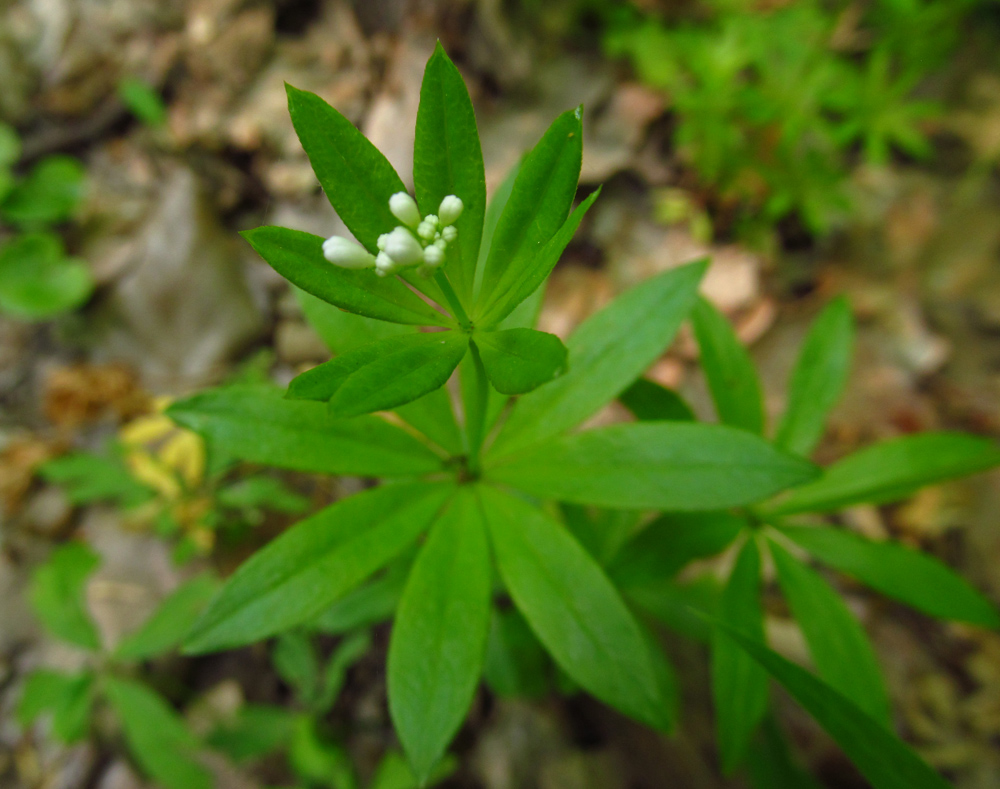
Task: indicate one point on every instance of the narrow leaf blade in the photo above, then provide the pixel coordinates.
(256, 424)
(892, 470)
(739, 686)
(301, 573)
(843, 656)
(298, 257)
(157, 736)
(574, 609)
(357, 178)
(606, 354)
(538, 204)
(899, 572)
(818, 379)
(732, 377)
(521, 280)
(439, 637)
(403, 372)
(448, 160)
(657, 465)
(880, 756)
(520, 360)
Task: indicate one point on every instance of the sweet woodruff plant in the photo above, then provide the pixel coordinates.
(492, 507)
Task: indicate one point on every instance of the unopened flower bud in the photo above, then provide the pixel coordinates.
(384, 264)
(428, 228)
(433, 256)
(346, 253)
(403, 248)
(404, 208)
(449, 233)
(450, 210)
(382, 241)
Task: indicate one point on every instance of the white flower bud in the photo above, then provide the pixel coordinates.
(428, 228)
(382, 241)
(404, 208)
(450, 210)
(441, 244)
(346, 253)
(403, 248)
(384, 264)
(433, 256)
(449, 233)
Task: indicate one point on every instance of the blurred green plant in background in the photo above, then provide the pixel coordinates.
(38, 280)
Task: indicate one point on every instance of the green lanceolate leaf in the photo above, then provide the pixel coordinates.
(599, 531)
(574, 609)
(650, 402)
(343, 331)
(357, 178)
(818, 379)
(58, 597)
(526, 274)
(839, 647)
(68, 697)
(732, 377)
(298, 257)
(439, 636)
(606, 354)
(404, 371)
(880, 756)
(306, 569)
(520, 360)
(665, 546)
(739, 685)
(894, 570)
(494, 210)
(322, 382)
(538, 204)
(448, 160)
(892, 470)
(38, 281)
(657, 465)
(157, 736)
(167, 627)
(370, 604)
(257, 424)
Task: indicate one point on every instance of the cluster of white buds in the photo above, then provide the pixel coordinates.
(417, 242)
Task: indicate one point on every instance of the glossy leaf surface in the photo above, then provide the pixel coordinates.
(892, 470)
(818, 379)
(657, 465)
(301, 573)
(574, 610)
(739, 685)
(298, 257)
(520, 360)
(257, 424)
(448, 160)
(912, 577)
(839, 647)
(538, 204)
(880, 756)
(439, 636)
(732, 377)
(606, 354)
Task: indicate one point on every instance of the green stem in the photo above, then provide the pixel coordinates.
(476, 397)
(454, 302)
